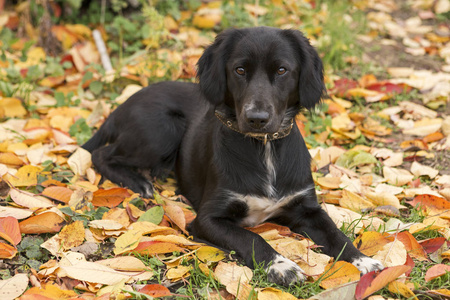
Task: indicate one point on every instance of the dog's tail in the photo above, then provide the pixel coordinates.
(106, 134)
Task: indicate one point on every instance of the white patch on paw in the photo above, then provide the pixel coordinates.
(366, 264)
(284, 272)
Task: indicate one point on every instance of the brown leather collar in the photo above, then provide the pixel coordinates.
(232, 124)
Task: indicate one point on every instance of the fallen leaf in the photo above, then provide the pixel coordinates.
(25, 176)
(47, 222)
(58, 193)
(13, 287)
(413, 248)
(397, 177)
(29, 200)
(72, 235)
(110, 198)
(155, 290)
(124, 263)
(392, 254)
(49, 291)
(398, 287)
(80, 161)
(9, 230)
(436, 271)
(12, 107)
(370, 242)
(210, 254)
(339, 273)
(372, 282)
(420, 170)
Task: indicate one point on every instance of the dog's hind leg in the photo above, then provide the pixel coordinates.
(104, 159)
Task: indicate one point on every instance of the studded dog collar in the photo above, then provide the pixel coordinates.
(232, 124)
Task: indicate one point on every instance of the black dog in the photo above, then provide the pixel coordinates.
(237, 153)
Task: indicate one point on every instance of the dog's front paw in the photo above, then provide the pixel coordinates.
(366, 264)
(284, 272)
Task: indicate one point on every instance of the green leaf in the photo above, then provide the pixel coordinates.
(96, 87)
(153, 215)
(353, 158)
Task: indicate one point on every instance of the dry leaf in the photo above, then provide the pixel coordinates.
(13, 287)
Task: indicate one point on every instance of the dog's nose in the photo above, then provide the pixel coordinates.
(257, 119)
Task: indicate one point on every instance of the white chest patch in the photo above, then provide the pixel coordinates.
(271, 172)
(261, 209)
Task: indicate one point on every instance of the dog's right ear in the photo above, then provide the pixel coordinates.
(211, 67)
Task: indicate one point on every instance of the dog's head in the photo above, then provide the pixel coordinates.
(263, 74)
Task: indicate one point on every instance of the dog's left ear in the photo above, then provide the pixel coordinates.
(311, 83)
(211, 71)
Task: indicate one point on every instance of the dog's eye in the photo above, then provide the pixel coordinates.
(281, 71)
(240, 71)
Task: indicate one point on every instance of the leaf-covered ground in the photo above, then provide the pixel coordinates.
(380, 146)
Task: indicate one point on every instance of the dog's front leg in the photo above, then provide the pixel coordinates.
(248, 245)
(314, 222)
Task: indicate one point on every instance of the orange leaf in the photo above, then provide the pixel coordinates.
(7, 251)
(51, 291)
(431, 203)
(370, 242)
(58, 193)
(373, 281)
(412, 246)
(47, 222)
(9, 230)
(433, 137)
(110, 198)
(152, 248)
(342, 272)
(10, 159)
(155, 290)
(436, 271)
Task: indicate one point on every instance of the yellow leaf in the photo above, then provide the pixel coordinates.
(12, 107)
(72, 235)
(342, 272)
(354, 202)
(397, 177)
(210, 254)
(178, 272)
(397, 287)
(93, 272)
(271, 293)
(384, 198)
(206, 21)
(130, 239)
(330, 183)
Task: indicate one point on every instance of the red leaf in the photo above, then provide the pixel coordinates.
(432, 245)
(436, 271)
(372, 282)
(389, 88)
(341, 86)
(110, 198)
(409, 262)
(155, 290)
(9, 230)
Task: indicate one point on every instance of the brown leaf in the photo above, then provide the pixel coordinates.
(432, 245)
(372, 281)
(430, 203)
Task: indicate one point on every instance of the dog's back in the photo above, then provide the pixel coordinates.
(151, 121)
